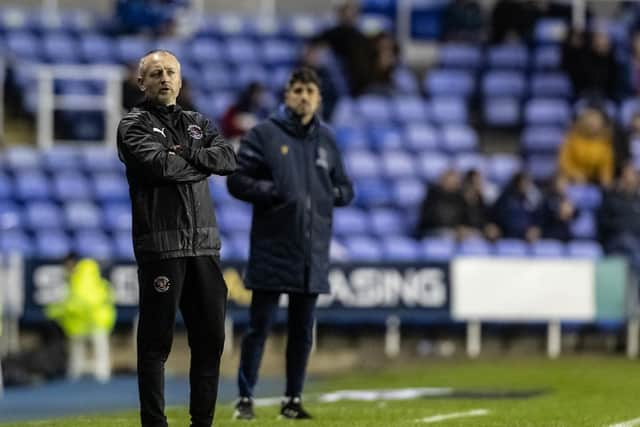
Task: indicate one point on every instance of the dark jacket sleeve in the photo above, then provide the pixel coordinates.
(216, 156)
(249, 183)
(342, 186)
(139, 150)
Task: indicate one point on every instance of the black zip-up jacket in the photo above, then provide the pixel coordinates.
(293, 176)
(171, 205)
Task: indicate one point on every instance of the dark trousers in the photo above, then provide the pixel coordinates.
(196, 286)
(262, 314)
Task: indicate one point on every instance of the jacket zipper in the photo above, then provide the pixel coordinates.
(308, 208)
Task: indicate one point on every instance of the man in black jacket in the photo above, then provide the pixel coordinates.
(169, 153)
(291, 171)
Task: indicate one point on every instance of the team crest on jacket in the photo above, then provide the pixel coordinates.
(161, 284)
(195, 131)
(284, 149)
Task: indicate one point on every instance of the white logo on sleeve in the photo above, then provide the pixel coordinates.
(160, 131)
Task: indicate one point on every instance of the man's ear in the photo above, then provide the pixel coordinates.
(140, 85)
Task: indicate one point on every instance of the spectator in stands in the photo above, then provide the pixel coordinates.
(443, 210)
(314, 56)
(631, 69)
(601, 71)
(627, 142)
(245, 113)
(557, 211)
(619, 218)
(132, 95)
(463, 21)
(575, 58)
(587, 152)
(291, 171)
(385, 51)
(513, 20)
(350, 46)
(477, 213)
(516, 212)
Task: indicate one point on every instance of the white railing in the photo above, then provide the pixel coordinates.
(110, 101)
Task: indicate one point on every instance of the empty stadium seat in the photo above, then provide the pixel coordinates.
(122, 246)
(584, 249)
(400, 249)
(80, 215)
(628, 109)
(438, 249)
(345, 112)
(350, 220)
(41, 215)
(23, 45)
(405, 82)
(240, 50)
(584, 226)
(449, 82)
(32, 185)
(501, 112)
(397, 164)
(547, 248)
(386, 137)
(421, 136)
(510, 248)
(448, 110)
(374, 109)
(70, 185)
(547, 57)
(542, 139)
(406, 109)
(585, 197)
(550, 30)
(93, 244)
(60, 158)
(503, 83)
(541, 167)
(109, 187)
(362, 164)
(278, 52)
(116, 217)
(501, 167)
(60, 49)
(129, 49)
(350, 137)
(51, 245)
(95, 48)
(247, 74)
(22, 158)
(363, 248)
(386, 221)
(372, 192)
(431, 165)
(100, 159)
(554, 84)
(459, 55)
(15, 241)
(407, 193)
(473, 247)
(508, 56)
(545, 111)
(10, 216)
(6, 187)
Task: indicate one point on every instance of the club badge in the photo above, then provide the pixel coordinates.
(195, 131)
(161, 284)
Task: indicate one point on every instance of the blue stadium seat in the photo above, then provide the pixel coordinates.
(100, 159)
(449, 82)
(385, 222)
(584, 249)
(510, 248)
(15, 241)
(71, 185)
(95, 48)
(52, 245)
(32, 185)
(546, 111)
(548, 248)
(541, 167)
(60, 49)
(204, 50)
(240, 51)
(43, 215)
(405, 82)
(240, 246)
(24, 46)
(129, 49)
(585, 197)
(122, 246)
(541, 139)
(215, 104)
(362, 164)
(407, 193)
(501, 167)
(81, 215)
(215, 77)
(60, 158)
(374, 109)
(234, 220)
(363, 248)
(116, 217)
(279, 78)
(473, 247)
(438, 249)
(372, 192)
(550, 30)
(397, 164)
(303, 25)
(547, 58)
(407, 109)
(459, 55)
(584, 226)
(501, 111)
(13, 19)
(350, 220)
(431, 165)
(627, 110)
(447, 109)
(345, 112)
(93, 244)
(350, 137)
(219, 192)
(386, 137)
(109, 187)
(400, 249)
(6, 188)
(508, 56)
(421, 137)
(556, 84)
(503, 83)
(278, 52)
(10, 216)
(263, 26)
(610, 107)
(229, 24)
(22, 158)
(246, 74)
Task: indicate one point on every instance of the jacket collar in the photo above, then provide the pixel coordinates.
(162, 110)
(291, 123)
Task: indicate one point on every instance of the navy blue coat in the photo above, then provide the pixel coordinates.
(293, 176)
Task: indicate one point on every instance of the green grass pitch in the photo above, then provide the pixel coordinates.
(582, 391)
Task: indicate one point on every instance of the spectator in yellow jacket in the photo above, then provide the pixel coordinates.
(587, 152)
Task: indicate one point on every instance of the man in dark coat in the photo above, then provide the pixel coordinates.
(292, 173)
(169, 153)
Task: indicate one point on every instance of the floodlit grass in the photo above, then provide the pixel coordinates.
(583, 391)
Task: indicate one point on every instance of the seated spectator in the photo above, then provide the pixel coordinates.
(618, 218)
(513, 20)
(350, 46)
(477, 220)
(245, 113)
(443, 210)
(463, 21)
(601, 72)
(557, 211)
(627, 142)
(516, 212)
(587, 152)
(385, 51)
(575, 58)
(314, 57)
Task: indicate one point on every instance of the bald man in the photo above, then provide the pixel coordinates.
(169, 153)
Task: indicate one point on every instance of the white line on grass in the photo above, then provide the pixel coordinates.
(454, 415)
(630, 423)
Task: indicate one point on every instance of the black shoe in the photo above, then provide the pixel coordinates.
(292, 409)
(244, 409)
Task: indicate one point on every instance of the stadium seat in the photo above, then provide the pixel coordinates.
(503, 83)
(407, 193)
(10, 216)
(6, 187)
(234, 220)
(550, 30)
(41, 215)
(81, 215)
(501, 167)
(363, 248)
(60, 158)
(129, 49)
(240, 51)
(473, 247)
(95, 48)
(542, 139)
(385, 137)
(15, 241)
(278, 52)
(585, 197)
(245, 75)
(371, 192)
(240, 246)
(431, 165)
(438, 249)
(374, 109)
(22, 158)
(122, 246)
(541, 167)
(397, 164)
(263, 26)
(32, 185)
(51, 245)
(449, 82)
(459, 55)
(584, 249)
(551, 85)
(215, 77)
(422, 136)
(584, 226)
(510, 248)
(407, 109)
(109, 187)
(279, 78)
(400, 249)
(204, 50)
(405, 82)
(60, 49)
(627, 110)
(219, 192)
(70, 185)
(547, 58)
(448, 110)
(116, 217)
(501, 112)
(385, 222)
(467, 161)
(350, 220)
(100, 159)
(93, 244)
(362, 164)
(547, 248)
(23, 46)
(508, 56)
(546, 111)
(350, 137)
(345, 112)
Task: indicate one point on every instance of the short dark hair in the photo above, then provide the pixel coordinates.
(303, 75)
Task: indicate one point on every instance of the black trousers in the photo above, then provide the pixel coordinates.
(196, 286)
(262, 314)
